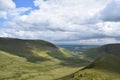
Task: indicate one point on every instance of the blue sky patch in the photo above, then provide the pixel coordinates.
(24, 3)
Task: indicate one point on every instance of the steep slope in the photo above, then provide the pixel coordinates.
(105, 67)
(26, 48)
(34, 60)
(93, 53)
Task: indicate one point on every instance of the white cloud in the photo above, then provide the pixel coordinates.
(3, 14)
(109, 28)
(91, 41)
(6, 5)
(64, 20)
(61, 15)
(8, 9)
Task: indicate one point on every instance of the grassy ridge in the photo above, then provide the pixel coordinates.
(23, 48)
(35, 60)
(105, 67)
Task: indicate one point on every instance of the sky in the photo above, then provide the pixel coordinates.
(61, 21)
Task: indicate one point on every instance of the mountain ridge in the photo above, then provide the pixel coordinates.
(104, 67)
(35, 60)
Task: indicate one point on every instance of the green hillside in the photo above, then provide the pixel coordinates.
(35, 60)
(105, 67)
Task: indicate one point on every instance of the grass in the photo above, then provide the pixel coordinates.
(35, 60)
(14, 67)
(96, 74)
(105, 67)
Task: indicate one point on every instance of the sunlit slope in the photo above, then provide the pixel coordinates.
(105, 67)
(34, 60)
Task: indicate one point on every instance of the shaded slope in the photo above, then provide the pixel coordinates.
(94, 53)
(105, 67)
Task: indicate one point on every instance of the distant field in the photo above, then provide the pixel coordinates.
(78, 48)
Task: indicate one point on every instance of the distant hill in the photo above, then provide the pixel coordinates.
(106, 65)
(34, 60)
(26, 48)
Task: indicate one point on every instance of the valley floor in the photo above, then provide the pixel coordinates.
(54, 74)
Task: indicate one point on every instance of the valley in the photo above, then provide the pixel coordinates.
(35, 60)
(105, 66)
(41, 60)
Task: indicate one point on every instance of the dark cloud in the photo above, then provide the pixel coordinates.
(111, 12)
